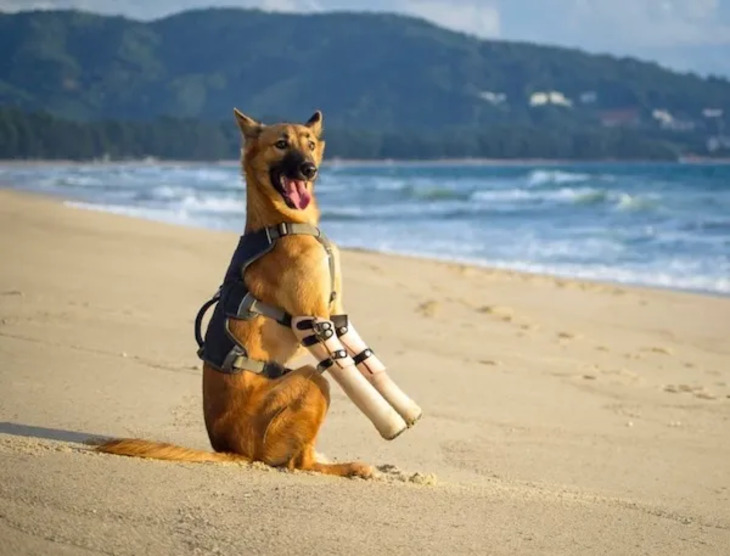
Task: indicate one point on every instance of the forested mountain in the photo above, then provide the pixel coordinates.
(378, 74)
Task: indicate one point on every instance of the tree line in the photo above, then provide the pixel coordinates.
(40, 135)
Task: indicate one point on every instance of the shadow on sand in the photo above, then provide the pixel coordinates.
(16, 429)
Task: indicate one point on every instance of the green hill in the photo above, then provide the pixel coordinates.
(377, 72)
(363, 69)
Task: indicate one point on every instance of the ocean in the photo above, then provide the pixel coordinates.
(665, 225)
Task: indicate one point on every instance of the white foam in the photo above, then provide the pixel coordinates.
(578, 225)
(578, 195)
(626, 202)
(719, 284)
(199, 203)
(542, 177)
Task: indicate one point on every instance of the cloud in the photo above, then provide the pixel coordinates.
(688, 34)
(612, 24)
(651, 23)
(477, 18)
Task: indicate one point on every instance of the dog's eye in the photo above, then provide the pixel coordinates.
(281, 144)
(311, 145)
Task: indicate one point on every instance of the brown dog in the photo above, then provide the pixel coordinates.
(249, 416)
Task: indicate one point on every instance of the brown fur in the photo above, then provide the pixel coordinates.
(248, 416)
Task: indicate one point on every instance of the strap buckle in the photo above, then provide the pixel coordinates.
(244, 311)
(278, 231)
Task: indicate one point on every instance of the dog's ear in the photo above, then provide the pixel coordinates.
(249, 127)
(315, 123)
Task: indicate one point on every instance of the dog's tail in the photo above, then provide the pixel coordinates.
(135, 447)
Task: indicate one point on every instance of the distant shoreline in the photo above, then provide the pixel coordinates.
(405, 254)
(377, 162)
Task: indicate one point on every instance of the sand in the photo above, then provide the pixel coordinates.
(561, 417)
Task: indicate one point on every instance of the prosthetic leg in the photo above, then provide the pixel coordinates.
(373, 369)
(319, 337)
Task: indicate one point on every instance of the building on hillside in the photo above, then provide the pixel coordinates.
(719, 141)
(669, 122)
(492, 97)
(541, 98)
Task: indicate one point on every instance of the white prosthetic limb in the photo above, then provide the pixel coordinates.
(373, 369)
(318, 336)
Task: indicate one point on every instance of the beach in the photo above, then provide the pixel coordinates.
(560, 416)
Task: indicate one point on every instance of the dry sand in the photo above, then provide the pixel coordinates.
(561, 417)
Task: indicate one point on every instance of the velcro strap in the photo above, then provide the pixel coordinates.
(325, 364)
(362, 356)
(341, 323)
(310, 340)
(307, 324)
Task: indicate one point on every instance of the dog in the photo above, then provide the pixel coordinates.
(250, 416)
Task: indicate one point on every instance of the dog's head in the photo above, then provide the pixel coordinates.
(283, 159)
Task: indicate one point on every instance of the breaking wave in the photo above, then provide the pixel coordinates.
(661, 225)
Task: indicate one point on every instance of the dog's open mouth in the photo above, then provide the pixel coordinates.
(294, 191)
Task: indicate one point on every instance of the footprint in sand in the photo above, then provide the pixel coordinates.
(507, 314)
(429, 308)
(489, 362)
(697, 391)
(503, 313)
(623, 376)
(568, 335)
(392, 474)
(17, 293)
(657, 349)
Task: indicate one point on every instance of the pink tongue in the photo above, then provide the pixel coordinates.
(297, 192)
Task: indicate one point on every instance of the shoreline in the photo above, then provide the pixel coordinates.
(507, 162)
(485, 265)
(70, 203)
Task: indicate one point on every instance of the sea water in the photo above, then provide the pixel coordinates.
(664, 225)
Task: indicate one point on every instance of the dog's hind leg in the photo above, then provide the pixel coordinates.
(308, 462)
(297, 406)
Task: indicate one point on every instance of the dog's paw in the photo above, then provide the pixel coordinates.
(361, 470)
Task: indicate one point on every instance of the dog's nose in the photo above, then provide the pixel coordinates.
(308, 170)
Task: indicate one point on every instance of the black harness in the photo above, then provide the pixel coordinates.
(220, 348)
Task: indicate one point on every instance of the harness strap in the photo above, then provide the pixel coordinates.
(251, 307)
(296, 228)
(251, 247)
(238, 361)
(199, 318)
(262, 241)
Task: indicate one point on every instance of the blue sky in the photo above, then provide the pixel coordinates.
(688, 35)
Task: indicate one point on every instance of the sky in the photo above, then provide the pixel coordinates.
(686, 35)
